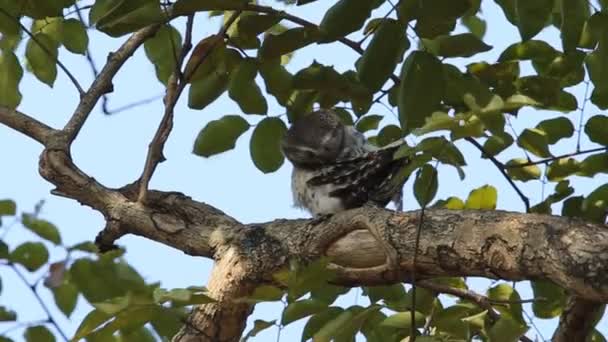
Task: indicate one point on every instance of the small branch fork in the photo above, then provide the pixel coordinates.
(176, 85)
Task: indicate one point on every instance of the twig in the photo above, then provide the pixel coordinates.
(43, 305)
(550, 159)
(26, 124)
(175, 87)
(46, 50)
(580, 120)
(501, 167)
(480, 300)
(103, 82)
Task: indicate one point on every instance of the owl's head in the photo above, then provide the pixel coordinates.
(314, 140)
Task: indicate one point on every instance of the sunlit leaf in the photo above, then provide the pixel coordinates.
(41, 53)
(522, 173)
(551, 299)
(482, 198)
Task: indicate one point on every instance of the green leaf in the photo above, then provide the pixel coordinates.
(137, 335)
(595, 206)
(265, 144)
(256, 24)
(277, 79)
(594, 164)
(334, 326)
(32, 255)
(425, 185)
(42, 228)
(537, 50)
(120, 17)
(8, 207)
(475, 25)
(219, 135)
(459, 45)
(574, 15)
(319, 320)
(41, 53)
(368, 123)
(497, 143)
(551, 299)
(534, 141)
(522, 173)
(382, 54)
(91, 321)
(421, 71)
(189, 6)
(402, 320)
(389, 134)
(7, 315)
(85, 246)
(10, 25)
(556, 129)
(344, 17)
(38, 333)
(265, 293)
(451, 320)
(302, 308)
(532, 16)
(243, 89)
(66, 297)
(388, 293)
(562, 168)
(596, 129)
(288, 41)
(4, 252)
(482, 198)
(207, 89)
(506, 293)
(259, 325)
(162, 50)
(75, 37)
(506, 329)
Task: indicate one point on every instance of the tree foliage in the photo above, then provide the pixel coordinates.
(425, 60)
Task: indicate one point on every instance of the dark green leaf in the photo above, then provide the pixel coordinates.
(86, 246)
(574, 14)
(162, 50)
(243, 89)
(4, 252)
(534, 141)
(597, 68)
(258, 326)
(596, 129)
(8, 207)
(421, 89)
(42, 228)
(556, 129)
(594, 164)
(277, 79)
(41, 53)
(497, 143)
(121, 17)
(302, 308)
(475, 25)
(425, 185)
(265, 144)
(319, 320)
(562, 168)
(66, 296)
(256, 24)
(7, 315)
(219, 135)
(389, 293)
(522, 173)
(389, 134)
(368, 123)
(75, 36)
(537, 50)
(595, 206)
(482, 198)
(288, 41)
(189, 6)
(344, 17)
(265, 293)
(532, 16)
(38, 333)
(382, 54)
(137, 335)
(459, 45)
(451, 320)
(32, 255)
(551, 299)
(207, 89)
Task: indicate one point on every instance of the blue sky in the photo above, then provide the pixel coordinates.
(113, 148)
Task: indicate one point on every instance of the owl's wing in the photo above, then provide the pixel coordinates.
(371, 177)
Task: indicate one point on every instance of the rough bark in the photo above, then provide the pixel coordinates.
(493, 244)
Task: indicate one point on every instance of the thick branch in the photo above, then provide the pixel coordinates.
(25, 124)
(577, 321)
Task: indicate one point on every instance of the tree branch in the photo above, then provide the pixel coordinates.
(176, 85)
(26, 124)
(578, 320)
(501, 167)
(548, 160)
